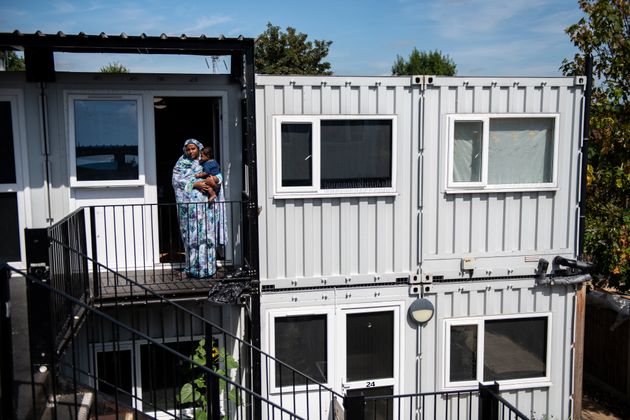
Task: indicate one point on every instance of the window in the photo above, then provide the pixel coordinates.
(106, 135)
(337, 155)
(497, 349)
(301, 342)
(502, 152)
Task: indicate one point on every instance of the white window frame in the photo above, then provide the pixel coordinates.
(479, 322)
(21, 187)
(70, 118)
(315, 190)
(483, 186)
(271, 333)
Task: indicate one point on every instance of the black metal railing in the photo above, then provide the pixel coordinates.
(145, 310)
(110, 368)
(158, 243)
(482, 403)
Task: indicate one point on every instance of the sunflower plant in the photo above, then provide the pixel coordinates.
(194, 392)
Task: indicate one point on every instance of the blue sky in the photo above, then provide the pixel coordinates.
(484, 37)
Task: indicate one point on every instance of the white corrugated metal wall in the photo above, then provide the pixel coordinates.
(499, 229)
(309, 239)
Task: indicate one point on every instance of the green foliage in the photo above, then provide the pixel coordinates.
(604, 33)
(14, 62)
(194, 392)
(289, 52)
(114, 67)
(422, 62)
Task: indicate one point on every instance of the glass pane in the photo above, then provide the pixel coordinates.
(163, 374)
(114, 374)
(463, 357)
(356, 154)
(520, 150)
(467, 151)
(106, 135)
(301, 342)
(297, 159)
(9, 228)
(379, 409)
(515, 349)
(7, 156)
(370, 346)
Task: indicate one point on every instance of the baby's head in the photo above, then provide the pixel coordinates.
(206, 154)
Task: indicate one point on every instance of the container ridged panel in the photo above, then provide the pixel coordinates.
(498, 223)
(345, 236)
(505, 298)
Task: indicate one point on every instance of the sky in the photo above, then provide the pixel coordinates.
(483, 37)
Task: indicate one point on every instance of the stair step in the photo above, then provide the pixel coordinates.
(69, 406)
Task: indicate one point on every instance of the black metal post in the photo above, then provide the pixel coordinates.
(488, 404)
(354, 407)
(212, 382)
(6, 349)
(96, 278)
(39, 315)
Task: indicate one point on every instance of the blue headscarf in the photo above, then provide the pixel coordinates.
(193, 141)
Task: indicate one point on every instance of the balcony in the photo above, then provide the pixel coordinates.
(114, 247)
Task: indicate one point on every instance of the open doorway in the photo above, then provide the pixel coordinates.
(176, 120)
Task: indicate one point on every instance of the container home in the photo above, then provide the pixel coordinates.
(379, 194)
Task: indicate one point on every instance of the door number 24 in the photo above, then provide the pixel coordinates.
(370, 384)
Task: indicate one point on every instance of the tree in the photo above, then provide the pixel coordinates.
(422, 62)
(604, 33)
(289, 52)
(114, 67)
(13, 62)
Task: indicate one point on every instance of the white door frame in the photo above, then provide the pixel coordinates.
(341, 384)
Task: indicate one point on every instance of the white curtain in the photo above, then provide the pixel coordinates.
(520, 150)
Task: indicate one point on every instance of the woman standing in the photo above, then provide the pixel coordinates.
(198, 221)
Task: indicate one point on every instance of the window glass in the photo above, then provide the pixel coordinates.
(106, 139)
(9, 228)
(467, 151)
(356, 154)
(370, 345)
(515, 349)
(463, 357)
(297, 159)
(520, 150)
(7, 156)
(380, 409)
(163, 374)
(114, 374)
(301, 342)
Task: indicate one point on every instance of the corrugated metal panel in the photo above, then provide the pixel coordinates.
(504, 297)
(498, 225)
(341, 236)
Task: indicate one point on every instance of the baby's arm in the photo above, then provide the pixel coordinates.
(201, 175)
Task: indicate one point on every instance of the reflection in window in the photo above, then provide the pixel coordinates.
(106, 139)
(515, 349)
(7, 156)
(356, 154)
(467, 151)
(378, 409)
(463, 356)
(370, 345)
(301, 343)
(297, 160)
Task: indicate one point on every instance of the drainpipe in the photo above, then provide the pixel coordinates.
(584, 152)
(42, 96)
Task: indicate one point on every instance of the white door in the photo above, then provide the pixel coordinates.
(369, 356)
(11, 180)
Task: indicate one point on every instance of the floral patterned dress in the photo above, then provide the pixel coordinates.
(201, 223)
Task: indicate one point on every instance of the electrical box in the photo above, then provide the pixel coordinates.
(468, 263)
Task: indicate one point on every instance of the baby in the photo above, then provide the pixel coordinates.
(210, 171)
